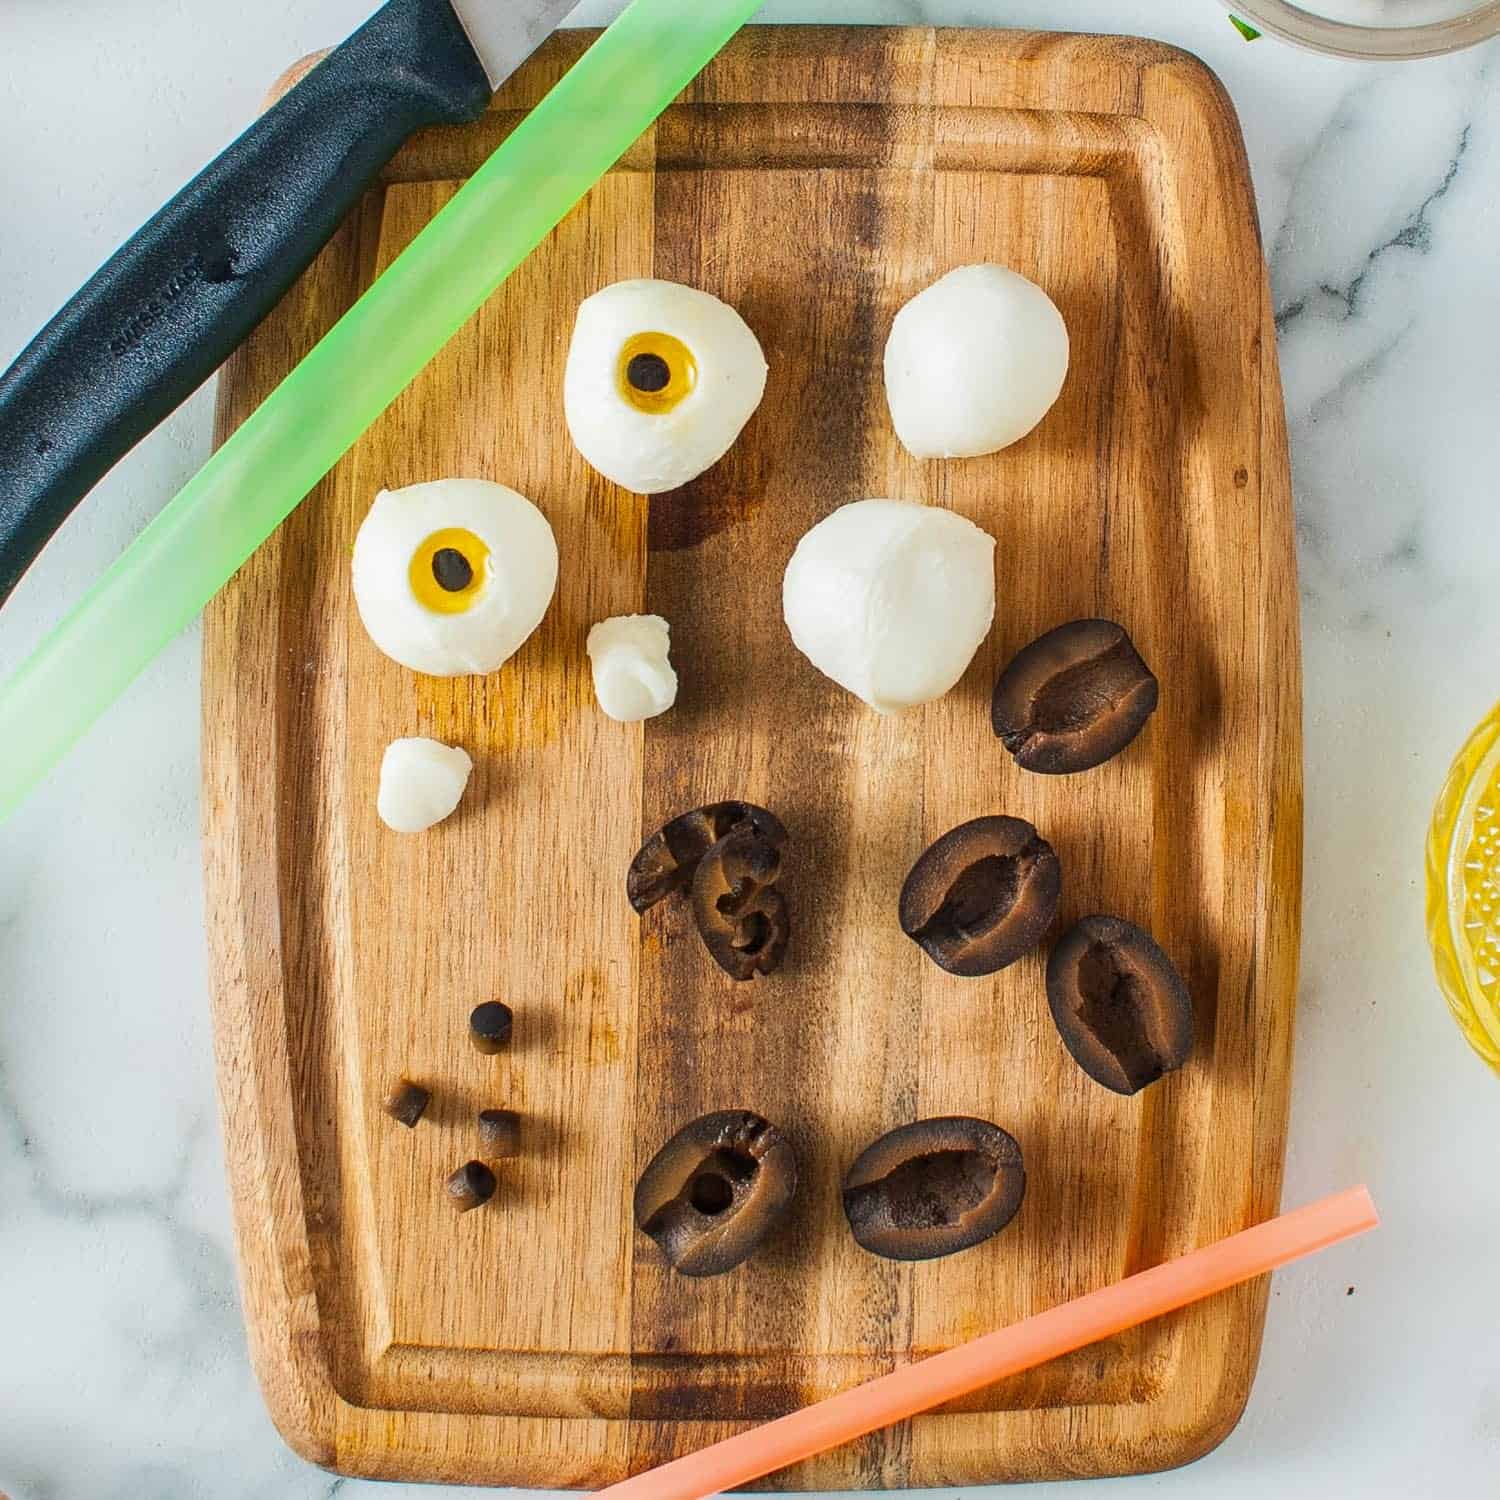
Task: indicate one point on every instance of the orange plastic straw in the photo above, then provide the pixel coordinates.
(1033, 1341)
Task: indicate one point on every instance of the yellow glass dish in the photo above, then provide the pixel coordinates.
(1463, 889)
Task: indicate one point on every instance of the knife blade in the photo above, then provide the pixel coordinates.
(504, 33)
(181, 295)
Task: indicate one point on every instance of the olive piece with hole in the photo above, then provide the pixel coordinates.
(1119, 1003)
(668, 860)
(490, 1026)
(407, 1102)
(741, 916)
(1073, 698)
(472, 1184)
(933, 1188)
(500, 1132)
(715, 1191)
(982, 896)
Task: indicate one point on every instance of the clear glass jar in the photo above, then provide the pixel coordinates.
(1375, 29)
(1463, 889)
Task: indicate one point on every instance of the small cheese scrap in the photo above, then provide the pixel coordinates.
(633, 677)
(421, 782)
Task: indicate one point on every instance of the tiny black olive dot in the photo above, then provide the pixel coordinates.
(649, 373)
(453, 571)
(490, 1026)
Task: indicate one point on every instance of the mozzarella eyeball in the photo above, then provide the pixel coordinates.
(421, 782)
(891, 600)
(633, 678)
(974, 363)
(452, 576)
(661, 378)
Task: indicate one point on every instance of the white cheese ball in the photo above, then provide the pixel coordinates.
(891, 600)
(421, 782)
(974, 363)
(416, 544)
(706, 366)
(633, 678)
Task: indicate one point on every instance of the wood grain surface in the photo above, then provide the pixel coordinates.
(815, 178)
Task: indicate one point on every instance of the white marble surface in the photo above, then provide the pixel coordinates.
(122, 1358)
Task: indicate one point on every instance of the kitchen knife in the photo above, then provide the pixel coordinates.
(174, 302)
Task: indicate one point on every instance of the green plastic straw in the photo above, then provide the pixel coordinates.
(244, 492)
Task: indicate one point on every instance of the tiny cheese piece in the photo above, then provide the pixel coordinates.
(633, 677)
(421, 782)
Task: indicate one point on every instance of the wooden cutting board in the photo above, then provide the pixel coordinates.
(815, 178)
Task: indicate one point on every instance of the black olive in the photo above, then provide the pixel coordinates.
(1121, 1007)
(1073, 698)
(982, 896)
(668, 859)
(934, 1187)
(490, 1026)
(470, 1186)
(649, 373)
(715, 1191)
(500, 1132)
(452, 571)
(406, 1102)
(741, 915)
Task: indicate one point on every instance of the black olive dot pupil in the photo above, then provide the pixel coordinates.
(452, 570)
(649, 373)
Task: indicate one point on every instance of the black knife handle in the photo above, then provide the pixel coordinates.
(173, 302)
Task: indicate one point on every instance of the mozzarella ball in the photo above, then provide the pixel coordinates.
(633, 679)
(452, 576)
(660, 380)
(421, 782)
(891, 600)
(974, 363)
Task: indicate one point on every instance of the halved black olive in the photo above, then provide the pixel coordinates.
(668, 859)
(1120, 1005)
(934, 1187)
(1073, 698)
(741, 915)
(716, 1190)
(981, 896)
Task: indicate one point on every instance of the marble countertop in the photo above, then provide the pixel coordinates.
(123, 1370)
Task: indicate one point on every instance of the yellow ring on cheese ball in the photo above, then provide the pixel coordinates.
(424, 571)
(648, 353)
